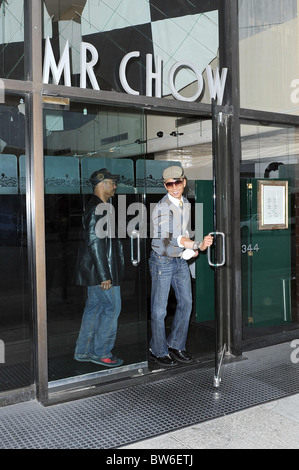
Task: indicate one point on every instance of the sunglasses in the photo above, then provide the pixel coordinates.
(174, 183)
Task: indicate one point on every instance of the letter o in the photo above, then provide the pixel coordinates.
(171, 74)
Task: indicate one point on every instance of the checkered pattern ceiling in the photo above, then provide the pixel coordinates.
(173, 29)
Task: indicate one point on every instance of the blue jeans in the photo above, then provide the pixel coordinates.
(166, 272)
(99, 323)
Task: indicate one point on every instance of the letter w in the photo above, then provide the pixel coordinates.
(216, 86)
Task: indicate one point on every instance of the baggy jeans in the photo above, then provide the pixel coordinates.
(99, 323)
(166, 272)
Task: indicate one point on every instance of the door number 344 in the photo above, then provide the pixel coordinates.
(250, 248)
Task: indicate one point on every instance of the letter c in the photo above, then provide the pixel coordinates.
(122, 72)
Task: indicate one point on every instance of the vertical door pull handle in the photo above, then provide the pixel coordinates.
(135, 235)
(222, 262)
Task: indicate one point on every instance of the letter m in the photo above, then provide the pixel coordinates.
(63, 66)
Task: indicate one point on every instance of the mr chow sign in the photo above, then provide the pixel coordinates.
(89, 58)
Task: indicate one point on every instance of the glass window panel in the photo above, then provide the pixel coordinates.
(269, 193)
(79, 141)
(15, 301)
(269, 58)
(12, 39)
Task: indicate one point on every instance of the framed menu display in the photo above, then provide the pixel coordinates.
(272, 205)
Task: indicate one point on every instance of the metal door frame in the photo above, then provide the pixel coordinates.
(220, 143)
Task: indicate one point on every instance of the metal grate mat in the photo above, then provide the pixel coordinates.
(118, 418)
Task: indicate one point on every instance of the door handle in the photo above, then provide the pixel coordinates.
(217, 265)
(135, 235)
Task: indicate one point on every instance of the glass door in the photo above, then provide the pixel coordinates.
(81, 140)
(201, 146)
(186, 141)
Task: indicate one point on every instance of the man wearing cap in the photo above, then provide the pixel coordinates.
(171, 246)
(99, 267)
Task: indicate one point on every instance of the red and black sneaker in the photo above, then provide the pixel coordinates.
(112, 361)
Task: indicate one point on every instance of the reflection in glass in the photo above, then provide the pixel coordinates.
(15, 305)
(268, 31)
(269, 254)
(12, 39)
(100, 267)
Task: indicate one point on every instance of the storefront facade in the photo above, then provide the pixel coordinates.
(135, 86)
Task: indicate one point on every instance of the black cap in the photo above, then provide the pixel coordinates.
(101, 175)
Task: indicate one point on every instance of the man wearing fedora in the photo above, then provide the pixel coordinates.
(171, 247)
(100, 266)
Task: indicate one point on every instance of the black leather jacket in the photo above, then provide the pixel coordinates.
(99, 258)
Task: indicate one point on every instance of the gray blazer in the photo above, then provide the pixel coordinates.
(170, 221)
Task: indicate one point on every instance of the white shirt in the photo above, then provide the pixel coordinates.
(176, 202)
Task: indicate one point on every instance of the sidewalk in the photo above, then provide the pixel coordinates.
(256, 406)
(271, 426)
